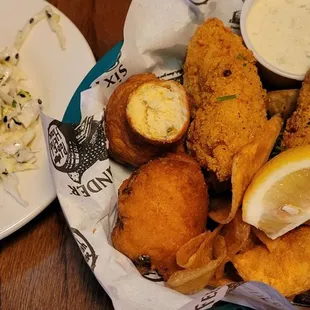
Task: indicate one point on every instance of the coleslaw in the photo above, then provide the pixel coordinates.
(19, 110)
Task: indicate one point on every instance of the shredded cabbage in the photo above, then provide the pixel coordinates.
(19, 111)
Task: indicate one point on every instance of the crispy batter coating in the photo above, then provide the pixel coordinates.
(161, 207)
(286, 268)
(221, 76)
(124, 145)
(297, 131)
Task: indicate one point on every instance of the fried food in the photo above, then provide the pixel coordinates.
(269, 243)
(286, 268)
(125, 145)
(187, 251)
(159, 111)
(245, 165)
(220, 74)
(190, 281)
(161, 207)
(236, 235)
(297, 131)
(283, 102)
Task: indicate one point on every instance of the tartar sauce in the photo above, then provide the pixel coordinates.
(279, 31)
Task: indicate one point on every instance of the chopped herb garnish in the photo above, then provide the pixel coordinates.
(39, 101)
(14, 103)
(244, 65)
(5, 119)
(226, 98)
(5, 172)
(48, 14)
(16, 56)
(169, 129)
(7, 58)
(31, 20)
(240, 57)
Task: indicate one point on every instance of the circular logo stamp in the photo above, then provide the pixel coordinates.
(86, 248)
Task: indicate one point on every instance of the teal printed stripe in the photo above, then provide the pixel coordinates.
(73, 111)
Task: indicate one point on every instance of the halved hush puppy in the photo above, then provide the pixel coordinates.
(159, 112)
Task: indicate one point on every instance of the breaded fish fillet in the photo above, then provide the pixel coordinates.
(221, 76)
(161, 206)
(297, 131)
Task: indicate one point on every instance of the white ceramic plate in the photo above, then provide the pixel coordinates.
(53, 75)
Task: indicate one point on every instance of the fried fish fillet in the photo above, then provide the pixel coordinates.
(161, 207)
(286, 268)
(220, 74)
(297, 131)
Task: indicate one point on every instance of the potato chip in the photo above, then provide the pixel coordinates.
(220, 282)
(205, 252)
(219, 206)
(219, 247)
(286, 268)
(270, 244)
(246, 163)
(236, 234)
(186, 251)
(252, 242)
(189, 281)
(282, 102)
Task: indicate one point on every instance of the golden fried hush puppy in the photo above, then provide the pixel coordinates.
(161, 206)
(220, 74)
(124, 145)
(131, 145)
(159, 111)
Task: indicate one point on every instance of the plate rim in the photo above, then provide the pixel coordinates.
(34, 213)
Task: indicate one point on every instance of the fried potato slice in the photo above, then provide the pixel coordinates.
(220, 282)
(283, 102)
(236, 234)
(269, 243)
(219, 247)
(246, 163)
(190, 281)
(286, 268)
(252, 242)
(205, 252)
(189, 249)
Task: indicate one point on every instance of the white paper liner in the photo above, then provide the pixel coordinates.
(156, 35)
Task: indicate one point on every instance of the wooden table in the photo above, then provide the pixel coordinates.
(40, 265)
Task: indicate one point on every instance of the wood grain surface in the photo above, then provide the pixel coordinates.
(40, 265)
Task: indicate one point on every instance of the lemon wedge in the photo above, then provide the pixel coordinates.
(278, 199)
